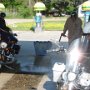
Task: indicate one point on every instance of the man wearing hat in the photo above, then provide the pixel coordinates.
(74, 27)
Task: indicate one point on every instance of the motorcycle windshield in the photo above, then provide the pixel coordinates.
(78, 54)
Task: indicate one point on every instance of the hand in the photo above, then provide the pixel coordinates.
(62, 34)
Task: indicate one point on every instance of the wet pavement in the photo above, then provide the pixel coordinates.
(31, 62)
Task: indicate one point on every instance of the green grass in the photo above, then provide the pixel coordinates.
(22, 26)
(47, 25)
(55, 25)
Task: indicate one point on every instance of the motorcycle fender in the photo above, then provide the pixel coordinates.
(58, 69)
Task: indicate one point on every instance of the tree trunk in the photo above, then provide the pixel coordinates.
(31, 3)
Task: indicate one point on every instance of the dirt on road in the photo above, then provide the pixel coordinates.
(23, 82)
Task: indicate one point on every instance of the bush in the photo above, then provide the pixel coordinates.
(25, 12)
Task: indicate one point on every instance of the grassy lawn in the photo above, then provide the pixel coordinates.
(55, 25)
(47, 25)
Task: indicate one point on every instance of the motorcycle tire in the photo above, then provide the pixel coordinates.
(11, 68)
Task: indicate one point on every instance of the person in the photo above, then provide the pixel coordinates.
(86, 29)
(7, 35)
(86, 32)
(2, 21)
(74, 27)
(5, 31)
(38, 19)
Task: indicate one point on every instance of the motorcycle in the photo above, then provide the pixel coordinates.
(76, 75)
(8, 50)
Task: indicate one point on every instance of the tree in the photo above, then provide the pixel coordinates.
(18, 5)
(21, 7)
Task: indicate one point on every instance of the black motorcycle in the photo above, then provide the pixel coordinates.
(8, 49)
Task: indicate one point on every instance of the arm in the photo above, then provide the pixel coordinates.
(65, 28)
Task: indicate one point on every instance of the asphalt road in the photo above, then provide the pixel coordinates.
(27, 53)
(27, 56)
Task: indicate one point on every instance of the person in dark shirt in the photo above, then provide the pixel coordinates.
(6, 32)
(74, 27)
(2, 21)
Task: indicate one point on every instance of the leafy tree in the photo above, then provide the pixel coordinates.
(21, 7)
(25, 7)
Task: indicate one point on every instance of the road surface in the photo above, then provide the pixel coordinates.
(27, 55)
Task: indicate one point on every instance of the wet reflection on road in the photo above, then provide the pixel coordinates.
(33, 57)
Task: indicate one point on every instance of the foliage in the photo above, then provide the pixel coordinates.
(24, 11)
(24, 8)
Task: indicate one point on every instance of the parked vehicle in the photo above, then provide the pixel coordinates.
(8, 50)
(76, 75)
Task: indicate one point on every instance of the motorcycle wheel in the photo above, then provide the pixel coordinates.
(11, 68)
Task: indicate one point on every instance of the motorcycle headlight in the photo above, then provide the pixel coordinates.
(71, 76)
(85, 79)
(3, 44)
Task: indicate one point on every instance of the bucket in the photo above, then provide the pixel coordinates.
(58, 68)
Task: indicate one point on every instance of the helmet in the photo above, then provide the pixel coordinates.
(73, 13)
(2, 14)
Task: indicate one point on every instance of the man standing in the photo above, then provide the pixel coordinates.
(74, 27)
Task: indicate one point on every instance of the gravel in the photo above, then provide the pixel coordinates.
(23, 82)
